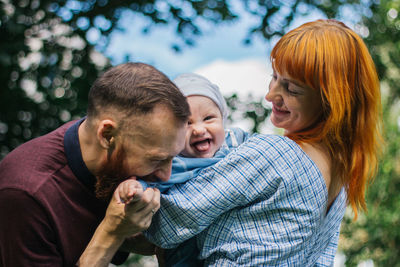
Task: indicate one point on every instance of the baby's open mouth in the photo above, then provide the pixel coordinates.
(202, 145)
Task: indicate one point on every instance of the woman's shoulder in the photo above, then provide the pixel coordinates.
(287, 158)
(272, 145)
(275, 152)
(271, 138)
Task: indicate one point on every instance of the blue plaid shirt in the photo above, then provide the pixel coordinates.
(262, 205)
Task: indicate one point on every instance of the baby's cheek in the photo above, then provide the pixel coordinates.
(187, 151)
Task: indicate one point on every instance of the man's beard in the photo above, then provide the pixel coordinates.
(111, 174)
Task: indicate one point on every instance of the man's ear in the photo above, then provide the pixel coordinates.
(106, 133)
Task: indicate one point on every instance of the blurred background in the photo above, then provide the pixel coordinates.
(52, 51)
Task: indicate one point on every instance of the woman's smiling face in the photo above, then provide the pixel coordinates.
(295, 106)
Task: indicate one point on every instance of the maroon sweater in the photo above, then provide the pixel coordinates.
(48, 210)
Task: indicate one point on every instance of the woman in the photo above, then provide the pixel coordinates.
(280, 200)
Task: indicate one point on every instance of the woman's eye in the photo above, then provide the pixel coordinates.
(292, 92)
(285, 85)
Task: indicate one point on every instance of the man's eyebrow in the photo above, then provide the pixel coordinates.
(159, 156)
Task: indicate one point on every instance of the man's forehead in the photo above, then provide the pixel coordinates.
(160, 152)
(163, 143)
(154, 138)
(158, 132)
(161, 119)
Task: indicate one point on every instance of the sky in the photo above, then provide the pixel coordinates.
(219, 54)
(218, 42)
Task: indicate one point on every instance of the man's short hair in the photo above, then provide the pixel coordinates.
(135, 88)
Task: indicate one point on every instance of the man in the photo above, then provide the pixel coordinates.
(54, 190)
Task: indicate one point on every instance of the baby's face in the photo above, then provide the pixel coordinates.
(205, 133)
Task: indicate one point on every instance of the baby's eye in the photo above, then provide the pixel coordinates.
(208, 118)
(190, 123)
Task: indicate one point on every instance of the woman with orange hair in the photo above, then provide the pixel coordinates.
(329, 61)
(279, 201)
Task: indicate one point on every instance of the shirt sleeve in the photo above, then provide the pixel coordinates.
(241, 135)
(26, 237)
(248, 173)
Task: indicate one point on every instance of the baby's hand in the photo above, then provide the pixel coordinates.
(128, 190)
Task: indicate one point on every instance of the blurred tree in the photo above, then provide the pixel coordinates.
(50, 50)
(248, 109)
(48, 63)
(376, 234)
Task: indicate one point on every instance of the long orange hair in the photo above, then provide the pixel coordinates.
(329, 57)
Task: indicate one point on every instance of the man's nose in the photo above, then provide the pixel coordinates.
(164, 172)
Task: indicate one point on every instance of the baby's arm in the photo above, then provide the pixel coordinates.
(128, 190)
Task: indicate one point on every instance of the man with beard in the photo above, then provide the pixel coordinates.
(55, 189)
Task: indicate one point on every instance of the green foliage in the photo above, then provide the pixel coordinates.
(376, 234)
(249, 109)
(48, 62)
(383, 26)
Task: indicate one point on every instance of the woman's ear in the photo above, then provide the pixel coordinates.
(106, 133)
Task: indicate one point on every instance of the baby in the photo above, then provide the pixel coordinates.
(207, 141)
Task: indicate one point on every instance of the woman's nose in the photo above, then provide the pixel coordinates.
(273, 92)
(268, 96)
